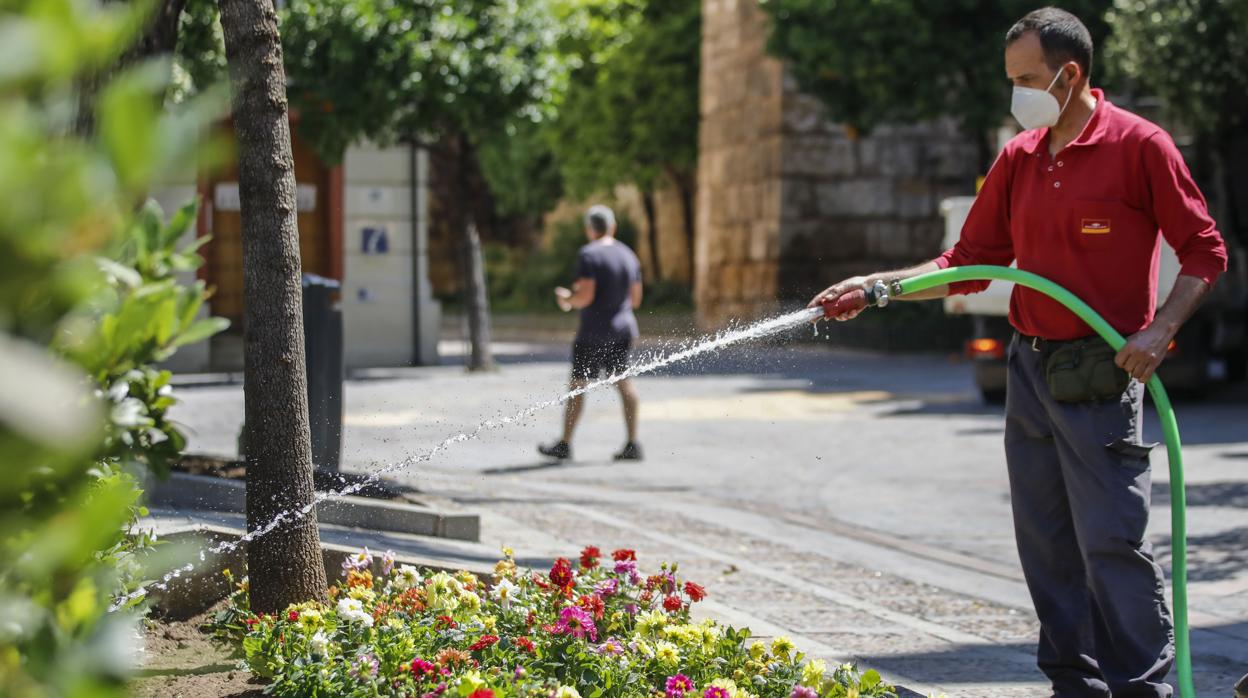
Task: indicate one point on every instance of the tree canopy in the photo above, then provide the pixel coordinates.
(904, 61)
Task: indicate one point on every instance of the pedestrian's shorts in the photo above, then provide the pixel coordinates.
(590, 359)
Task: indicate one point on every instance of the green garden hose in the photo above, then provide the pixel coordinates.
(1165, 411)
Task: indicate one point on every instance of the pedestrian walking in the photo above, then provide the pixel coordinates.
(1084, 196)
(607, 290)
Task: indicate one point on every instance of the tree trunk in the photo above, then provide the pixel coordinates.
(285, 565)
(472, 264)
(652, 225)
(686, 187)
(482, 358)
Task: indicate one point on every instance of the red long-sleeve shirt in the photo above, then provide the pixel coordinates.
(1089, 219)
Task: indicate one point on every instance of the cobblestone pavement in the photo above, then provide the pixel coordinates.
(855, 502)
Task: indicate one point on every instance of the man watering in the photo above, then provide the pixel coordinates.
(1083, 197)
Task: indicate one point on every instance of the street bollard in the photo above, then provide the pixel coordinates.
(322, 336)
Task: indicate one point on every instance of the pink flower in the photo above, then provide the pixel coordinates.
(678, 686)
(716, 692)
(578, 622)
(607, 587)
(626, 567)
(803, 692)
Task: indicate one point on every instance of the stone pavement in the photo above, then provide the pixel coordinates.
(855, 501)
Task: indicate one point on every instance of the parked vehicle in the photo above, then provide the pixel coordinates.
(1211, 348)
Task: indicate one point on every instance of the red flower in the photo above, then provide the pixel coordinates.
(531, 619)
(251, 622)
(696, 592)
(485, 641)
(673, 603)
(481, 693)
(624, 554)
(292, 616)
(446, 623)
(561, 574)
(422, 668)
(589, 557)
(593, 604)
(525, 644)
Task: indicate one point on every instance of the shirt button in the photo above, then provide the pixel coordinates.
(1057, 185)
(1060, 163)
(1050, 168)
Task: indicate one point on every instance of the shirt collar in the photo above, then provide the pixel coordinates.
(1093, 131)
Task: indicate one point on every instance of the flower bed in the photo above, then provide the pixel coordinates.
(596, 628)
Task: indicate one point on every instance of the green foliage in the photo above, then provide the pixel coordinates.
(903, 61)
(85, 285)
(1193, 55)
(631, 116)
(199, 56)
(520, 169)
(384, 70)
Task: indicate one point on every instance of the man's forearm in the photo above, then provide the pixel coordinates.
(1186, 296)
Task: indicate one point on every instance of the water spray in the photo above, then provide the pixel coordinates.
(878, 296)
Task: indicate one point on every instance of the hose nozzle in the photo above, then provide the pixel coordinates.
(857, 299)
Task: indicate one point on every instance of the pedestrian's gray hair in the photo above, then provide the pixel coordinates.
(600, 219)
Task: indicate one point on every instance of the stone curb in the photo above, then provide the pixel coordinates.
(199, 492)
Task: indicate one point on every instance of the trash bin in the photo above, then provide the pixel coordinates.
(322, 338)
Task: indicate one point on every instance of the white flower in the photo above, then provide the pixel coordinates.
(119, 390)
(352, 611)
(567, 692)
(504, 592)
(128, 413)
(406, 577)
(319, 644)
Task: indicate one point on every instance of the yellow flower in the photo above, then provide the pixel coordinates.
(508, 552)
(472, 680)
(812, 673)
(782, 646)
(362, 594)
(667, 653)
(310, 620)
(489, 622)
(650, 622)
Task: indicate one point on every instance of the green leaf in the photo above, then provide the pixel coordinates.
(181, 222)
(119, 272)
(201, 330)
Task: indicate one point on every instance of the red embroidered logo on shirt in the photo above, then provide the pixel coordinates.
(1096, 226)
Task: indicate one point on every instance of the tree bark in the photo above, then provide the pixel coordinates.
(472, 264)
(686, 186)
(285, 565)
(652, 227)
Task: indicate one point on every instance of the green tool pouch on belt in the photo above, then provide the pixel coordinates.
(1083, 370)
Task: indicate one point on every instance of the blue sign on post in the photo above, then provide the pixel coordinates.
(374, 240)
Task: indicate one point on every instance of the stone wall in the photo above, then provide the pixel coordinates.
(788, 201)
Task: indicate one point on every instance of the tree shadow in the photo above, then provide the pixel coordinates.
(1207, 494)
(1211, 558)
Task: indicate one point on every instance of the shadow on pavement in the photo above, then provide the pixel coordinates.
(1207, 494)
(1213, 557)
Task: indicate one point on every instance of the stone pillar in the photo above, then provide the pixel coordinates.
(789, 201)
(740, 138)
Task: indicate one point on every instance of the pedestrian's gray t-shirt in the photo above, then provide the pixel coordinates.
(614, 268)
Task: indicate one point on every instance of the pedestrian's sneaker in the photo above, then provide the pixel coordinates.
(631, 451)
(559, 449)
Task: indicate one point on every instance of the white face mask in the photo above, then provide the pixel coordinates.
(1037, 108)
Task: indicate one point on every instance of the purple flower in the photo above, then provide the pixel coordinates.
(631, 609)
(607, 587)
(387, 563)
(803, 692)
(520, 671)
(364, 667)
(678, 685)
(357, 562)
(626, 568)
(576, 621)
(611, 647)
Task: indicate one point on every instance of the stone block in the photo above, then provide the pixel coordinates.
(862, 197)
(818, 156)
(888, 239)
(915, 199)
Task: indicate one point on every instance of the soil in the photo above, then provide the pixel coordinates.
(323, 481)
(182, 661)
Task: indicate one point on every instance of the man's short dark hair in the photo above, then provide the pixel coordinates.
(1062, 37)
(600, 219)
